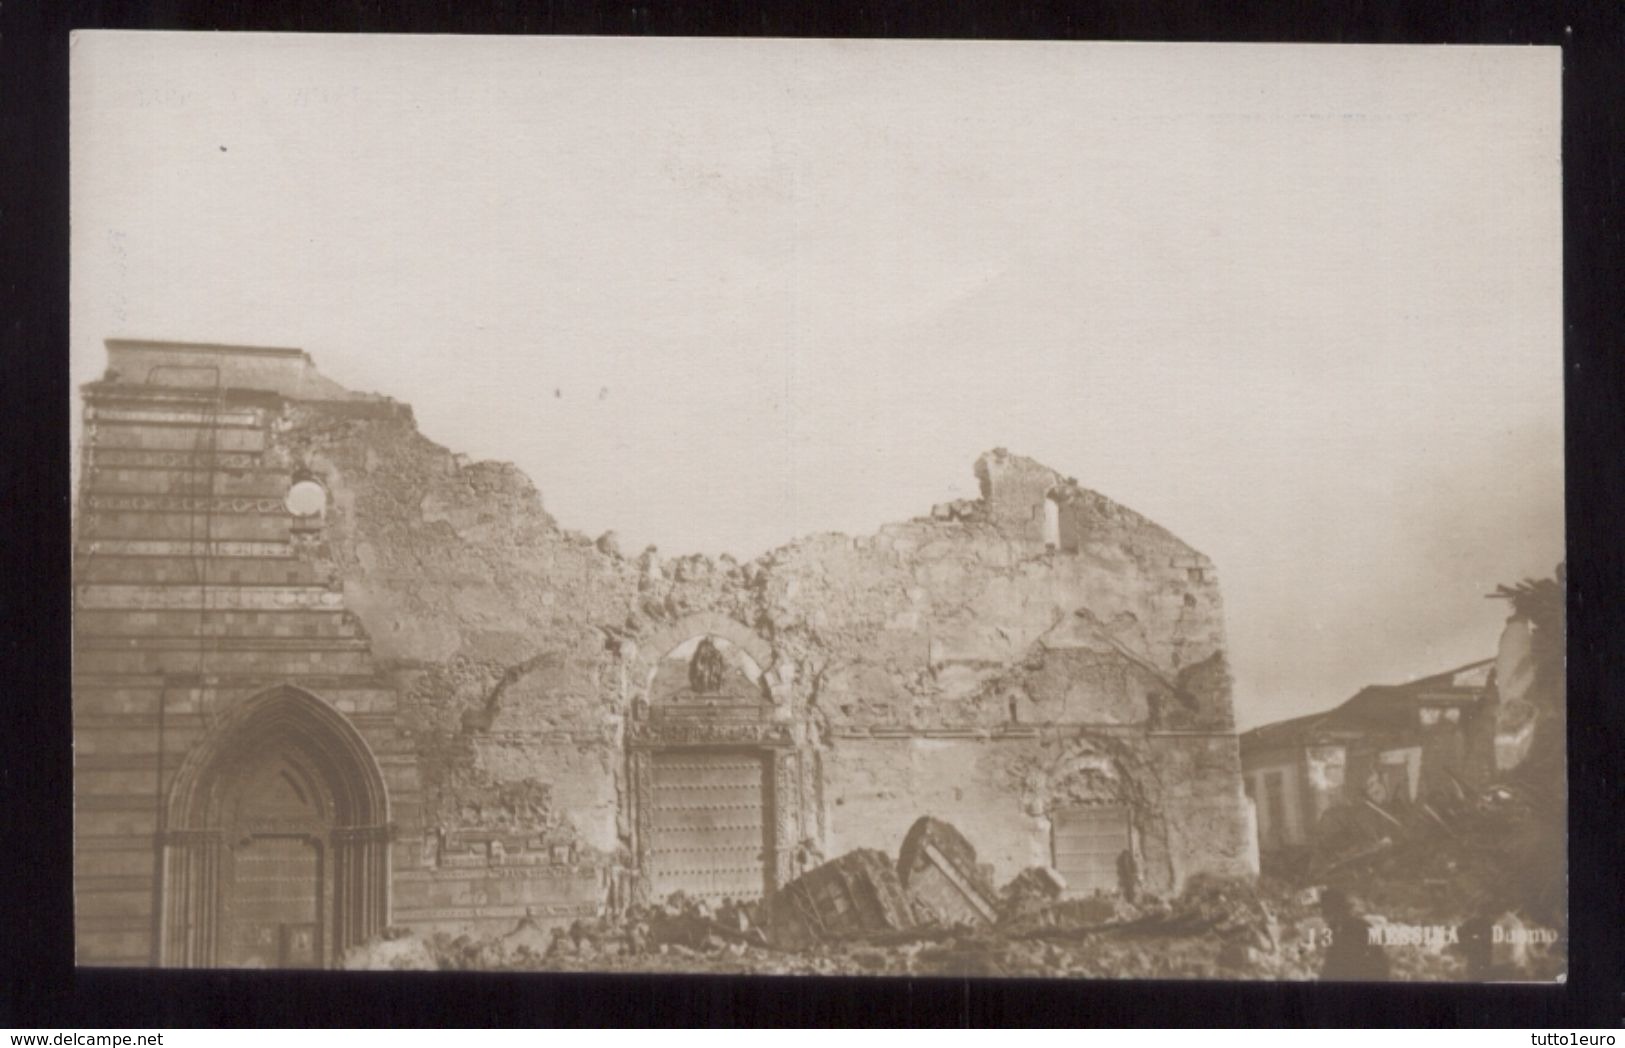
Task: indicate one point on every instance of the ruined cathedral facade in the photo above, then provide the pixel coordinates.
(330, 678)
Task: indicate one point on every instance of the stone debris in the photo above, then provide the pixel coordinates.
(527, 938)
(1032, 890)
(1092, 938)
(1460, 886)
(857, 914)
(937, 866)
(395, 950)
(854, 895)
(959, 509)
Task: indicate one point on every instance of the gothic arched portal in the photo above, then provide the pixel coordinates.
(276, 852)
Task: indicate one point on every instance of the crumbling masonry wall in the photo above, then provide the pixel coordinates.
(957, 665)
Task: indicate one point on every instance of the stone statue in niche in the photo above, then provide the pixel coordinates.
(706, 668)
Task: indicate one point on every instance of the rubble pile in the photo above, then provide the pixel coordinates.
(1469, 883)
(859, 893)
(935, 912)
(1470, 862)
(932, 912)
(1483, 861)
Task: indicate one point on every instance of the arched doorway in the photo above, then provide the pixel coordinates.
(277, 851)
(715, 774)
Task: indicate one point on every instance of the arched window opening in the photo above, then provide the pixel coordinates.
(706, 669)
(1052, 524)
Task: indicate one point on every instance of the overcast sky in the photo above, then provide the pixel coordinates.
(1301, 306)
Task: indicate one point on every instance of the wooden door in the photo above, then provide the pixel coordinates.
(710, 825)
(274, 907)
(274, 912)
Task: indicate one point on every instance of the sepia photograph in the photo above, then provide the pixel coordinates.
(818, 507)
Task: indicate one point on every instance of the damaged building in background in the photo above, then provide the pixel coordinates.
(1393, 746)
(331, 678)
(1388, 745)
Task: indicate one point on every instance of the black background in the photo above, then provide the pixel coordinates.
(39, 986)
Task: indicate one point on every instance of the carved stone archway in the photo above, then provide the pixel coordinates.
(277, 830)
(1102, 833)
(661, 642)
(733, 752)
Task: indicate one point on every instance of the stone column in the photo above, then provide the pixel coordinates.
(642, 794)
(189, 930)
(360, 885)
(786, 815)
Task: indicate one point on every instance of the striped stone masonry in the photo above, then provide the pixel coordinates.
(191, 597)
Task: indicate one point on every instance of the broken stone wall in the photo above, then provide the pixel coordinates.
(899, 656)
(1207, 831)
(954, 665)
(878, 787)
(489, 618)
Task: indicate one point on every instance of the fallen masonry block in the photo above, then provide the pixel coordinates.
(1030, 890)
(937, 867)
(527, 936)
(855, 895)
